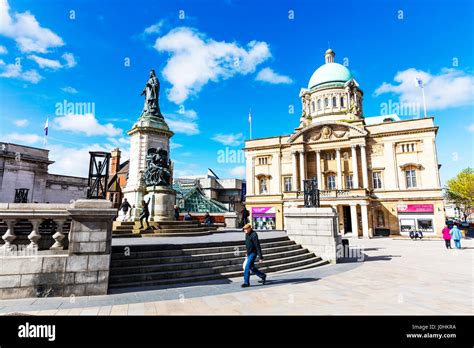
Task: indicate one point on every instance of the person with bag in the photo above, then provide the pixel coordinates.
(252, 245)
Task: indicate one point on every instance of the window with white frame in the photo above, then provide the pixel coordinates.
(312, 106)
(334, 102)
(330, 156)
(410, 175)
(287, 181)
(342, 102)
(319, 104)
(326, 102)
(377, 180)
(331, 182)
(349, 182)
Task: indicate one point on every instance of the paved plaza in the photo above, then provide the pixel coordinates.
(397, 276)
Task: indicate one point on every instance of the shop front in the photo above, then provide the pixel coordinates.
(416, 217)
(264, 218)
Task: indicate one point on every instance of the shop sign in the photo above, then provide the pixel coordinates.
(415, 208)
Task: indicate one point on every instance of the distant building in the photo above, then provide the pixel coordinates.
(24, 177)
(381, 174)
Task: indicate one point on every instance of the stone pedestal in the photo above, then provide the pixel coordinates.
(315, 229)
(162, 203)
(231, 220)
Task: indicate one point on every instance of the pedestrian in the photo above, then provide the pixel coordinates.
(245, 215)
(446, 236)
(188, 216)
(144, 214)
(176, 213)
(207, 219)
(124, 207)
(457, 236)
(252, 245)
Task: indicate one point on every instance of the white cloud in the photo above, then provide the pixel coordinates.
(75, 160)
(470, 128)
(3, 50)
(196, 59)
(69, 89)
(86, 124)
(183, 122)
(23, 138)
(70, 60)
(449, 88)
(174, 145)
(229, 139)
(237, 172)
(21, 123)
(26, 31)
(15, 71)
(268, 75)
(155, 28)
(45, 63)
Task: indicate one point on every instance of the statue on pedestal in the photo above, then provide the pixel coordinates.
(151, 93)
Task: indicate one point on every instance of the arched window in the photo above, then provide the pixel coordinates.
(326, 102)
(333, 102)
(380, 219)
(342, 102)
(312, 106)
(319, 104)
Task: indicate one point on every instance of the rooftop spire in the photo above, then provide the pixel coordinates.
(329, 56)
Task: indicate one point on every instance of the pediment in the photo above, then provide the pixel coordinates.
(327, 131)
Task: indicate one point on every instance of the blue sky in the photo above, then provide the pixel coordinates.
(217, 59)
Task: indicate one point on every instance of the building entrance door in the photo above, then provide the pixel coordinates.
(346, 212)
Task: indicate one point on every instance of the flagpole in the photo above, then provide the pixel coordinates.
(250, 122)
(424, 101)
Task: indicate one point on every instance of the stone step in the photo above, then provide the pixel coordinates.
(283, 268)
(198, 245)
(204, 270)
(138, 253)
(157, 224)
(184, 264)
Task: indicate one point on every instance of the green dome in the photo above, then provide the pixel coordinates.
(330, 72)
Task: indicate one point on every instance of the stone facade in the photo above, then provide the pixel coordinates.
(27, 167)
(381, 174)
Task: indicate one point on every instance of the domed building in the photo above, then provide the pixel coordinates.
(380, 174)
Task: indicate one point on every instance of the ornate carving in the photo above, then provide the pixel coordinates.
(326, 132)
(377, 149)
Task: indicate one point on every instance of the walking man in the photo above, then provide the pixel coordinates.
(144, 214)
(245, 215)
(252, 245)
(124, 207)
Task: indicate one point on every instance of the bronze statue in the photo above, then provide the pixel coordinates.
(158, 168)
(151, 93)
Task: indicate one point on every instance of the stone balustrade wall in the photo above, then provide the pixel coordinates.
(76, 264)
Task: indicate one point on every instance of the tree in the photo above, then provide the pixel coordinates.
(460, 191)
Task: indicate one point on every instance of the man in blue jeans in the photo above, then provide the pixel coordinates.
(252, 245)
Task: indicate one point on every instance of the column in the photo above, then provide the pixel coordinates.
(365, 220)
(355, 169)
(318, 170)
(295, 170)
(34, 236)
(354, 224)
(363, 156)
(338, 166)
(302, 170)
(58, 236)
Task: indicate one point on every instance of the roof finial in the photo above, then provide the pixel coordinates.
(329, 56)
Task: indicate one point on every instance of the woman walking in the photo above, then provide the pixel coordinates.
(457, 236)
(446, 236)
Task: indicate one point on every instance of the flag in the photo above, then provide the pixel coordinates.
(419, 82)
(46, 128)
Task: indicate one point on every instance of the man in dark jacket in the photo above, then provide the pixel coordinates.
(245, 215)
(252, 245)
(125, 206)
